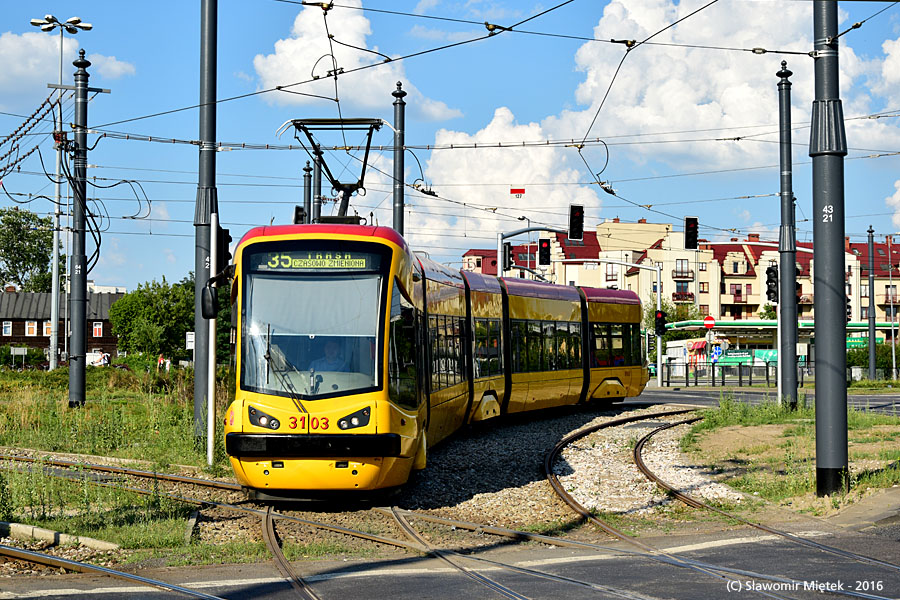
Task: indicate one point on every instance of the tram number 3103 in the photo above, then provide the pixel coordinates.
(318, 423)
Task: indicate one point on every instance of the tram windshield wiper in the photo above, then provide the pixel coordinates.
(278, 363)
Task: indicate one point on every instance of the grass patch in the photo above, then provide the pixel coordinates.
(768, 451)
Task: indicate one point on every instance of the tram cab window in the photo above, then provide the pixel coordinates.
(403, 351)
(306, 331)
(617, 346)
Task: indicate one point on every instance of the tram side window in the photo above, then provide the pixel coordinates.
(517, 345)
(636, 355)
(403, 351)
(494, 348)
(575, 345)
(448, 366)
(548, 358)
(563, 351)
(600, 345)
(487, 347)
(533, 342)
(617, 346)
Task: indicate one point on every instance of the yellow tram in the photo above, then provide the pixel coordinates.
(354, 355)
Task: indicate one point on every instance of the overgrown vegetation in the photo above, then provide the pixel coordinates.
(777, 462)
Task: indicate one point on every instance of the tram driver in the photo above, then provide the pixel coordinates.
(332, 360)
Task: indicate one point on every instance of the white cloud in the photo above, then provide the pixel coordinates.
(482, 177)
(893, 202)
(425, 5)
(31, 61)
(676, 88)
(110, 67)
(307, 54)
(427, 33)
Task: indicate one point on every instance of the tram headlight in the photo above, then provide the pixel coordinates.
(359, 418)
(261, 419)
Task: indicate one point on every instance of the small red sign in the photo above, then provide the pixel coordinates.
(709, 322)
(517, 191)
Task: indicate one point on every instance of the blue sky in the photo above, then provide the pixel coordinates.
(669, 121)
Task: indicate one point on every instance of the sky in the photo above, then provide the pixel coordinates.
(683, 124)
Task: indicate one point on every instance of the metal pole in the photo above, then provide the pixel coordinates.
(658, 337)
(317, 185)
(787, 249)
(399, 126)
(206, 204)
(871, 303)
(891, 291)
(500, 254)
(307, 192)
(827, 147)
(54, 290)
(78, 297)
(211, 375)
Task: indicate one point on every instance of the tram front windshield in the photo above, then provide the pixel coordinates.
(311, 318)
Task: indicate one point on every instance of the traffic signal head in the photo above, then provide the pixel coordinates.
(849, 310)
(299, 215)
(544, 251)
(660, 324)
(223, 254)
(691, 229)
(507, 261)
(772, 283)
(576, 222)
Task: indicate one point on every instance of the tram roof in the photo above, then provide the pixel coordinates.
(327, 229)
(610, 296)
(539, 289)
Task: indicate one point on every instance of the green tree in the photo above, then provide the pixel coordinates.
(155, 317)
(768, 313)
(26, 249)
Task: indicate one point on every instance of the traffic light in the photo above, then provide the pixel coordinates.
(660, 322)
(507, 256)
(544, 251)
(772, 283)
(299, 215)
(576, 222)
(691, 227)
(223, 254)
(798, 284)
(849, 310)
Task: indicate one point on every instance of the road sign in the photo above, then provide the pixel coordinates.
(189, 340)
(717, 351)
(709, 322)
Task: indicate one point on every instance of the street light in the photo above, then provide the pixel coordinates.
(528, 251)
(72, 25)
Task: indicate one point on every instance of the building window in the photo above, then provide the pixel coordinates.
(48, 328)
(734, 267)
(681, 287)
(477, 262)
(704, 287)
(31, 328)
(7, 327)
(612, 272)
(704, 309)
(98, 328)
(865, 312)
(864, 290)
(702, 266)
(681, 265)
(749, 289)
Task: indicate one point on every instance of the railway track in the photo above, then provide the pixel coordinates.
(697, 503)
(655, 552)
(41, 558)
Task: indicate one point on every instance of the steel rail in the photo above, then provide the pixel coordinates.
(81, 567)
(697, 503)
(487, 582)
(300, 586)
(606, 527)
(223, 485)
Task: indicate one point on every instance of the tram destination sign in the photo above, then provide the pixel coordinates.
(313, 260)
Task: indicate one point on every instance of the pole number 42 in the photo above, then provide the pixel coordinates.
(828, 213)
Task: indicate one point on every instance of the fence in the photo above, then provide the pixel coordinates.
(760, 374)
